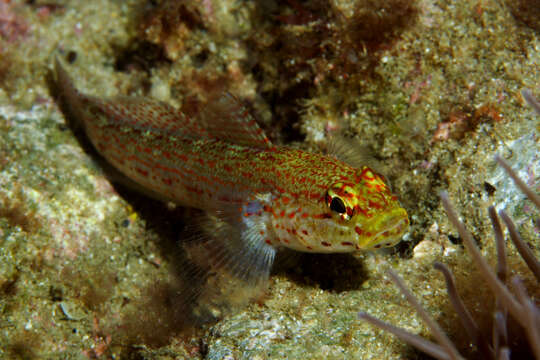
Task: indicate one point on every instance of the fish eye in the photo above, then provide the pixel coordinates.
(337, 205)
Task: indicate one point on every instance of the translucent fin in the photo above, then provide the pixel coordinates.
(231, 256)
(350, 151)
(223, 117)
(227, 119)
(353, 153)
(218, 268)
(151, 115)
(136, 112)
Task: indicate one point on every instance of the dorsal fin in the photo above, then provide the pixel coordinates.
(348, 150)
(137, 112)
(353, 153)
(148, 113)
(226, 118)
(223, 117)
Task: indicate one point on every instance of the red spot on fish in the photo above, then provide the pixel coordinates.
(167, 181)
(182, 157)
(324, 243)
(358, 230)
(374, 204)
(346, 243)
(142, 171)
(362, 211)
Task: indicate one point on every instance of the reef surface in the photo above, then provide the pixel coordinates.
(430, 89)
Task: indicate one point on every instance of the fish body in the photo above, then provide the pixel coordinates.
(221, 162)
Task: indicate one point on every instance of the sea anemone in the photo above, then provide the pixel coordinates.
(519, 306)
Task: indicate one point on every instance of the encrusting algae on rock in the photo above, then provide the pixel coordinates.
(262, 196)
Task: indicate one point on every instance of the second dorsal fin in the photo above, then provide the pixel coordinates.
(226, 118)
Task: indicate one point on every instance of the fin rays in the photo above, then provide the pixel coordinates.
(229, 120)
(229, 263)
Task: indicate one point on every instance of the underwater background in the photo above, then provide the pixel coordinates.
(429, 89)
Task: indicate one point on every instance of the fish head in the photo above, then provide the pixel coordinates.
(352, 214)
(367, 211)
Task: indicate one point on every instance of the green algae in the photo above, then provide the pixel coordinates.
(72, 273)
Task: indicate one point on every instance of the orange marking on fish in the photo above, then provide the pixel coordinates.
(322, 216)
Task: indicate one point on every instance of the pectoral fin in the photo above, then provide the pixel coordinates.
(229, 263)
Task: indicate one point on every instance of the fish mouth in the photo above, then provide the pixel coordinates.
(388, 230)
